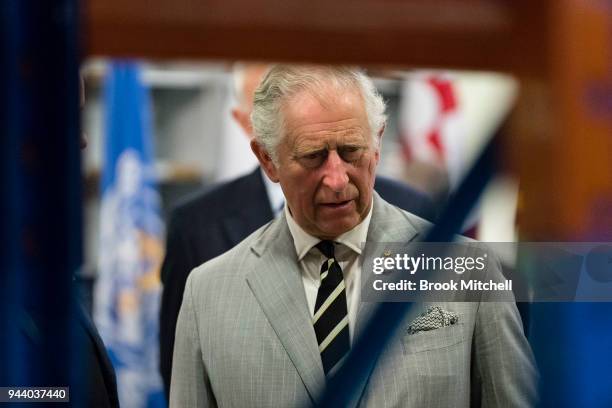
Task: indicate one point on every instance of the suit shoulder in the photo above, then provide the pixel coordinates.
(421, 224)
(406, 197)
(210, 201)
(393, 213)
(232, 264)
(418, 222)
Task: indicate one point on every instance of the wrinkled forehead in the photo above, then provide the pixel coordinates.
(324, 110)
(328, 99)
(327, 92)
(321, 105)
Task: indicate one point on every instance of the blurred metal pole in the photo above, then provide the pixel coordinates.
(40, 189)
(346, 387)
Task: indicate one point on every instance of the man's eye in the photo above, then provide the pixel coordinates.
(313, 156)
(350, 153)
(313, 159)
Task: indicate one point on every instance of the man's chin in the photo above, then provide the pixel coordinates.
(337, 227)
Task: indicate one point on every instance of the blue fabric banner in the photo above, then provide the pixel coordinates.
(127, 292)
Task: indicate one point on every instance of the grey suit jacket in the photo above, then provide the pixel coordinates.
(245, 338)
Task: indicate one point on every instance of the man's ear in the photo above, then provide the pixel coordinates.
(265, 161)
(380, 133)
(379, 137)
(244, 121)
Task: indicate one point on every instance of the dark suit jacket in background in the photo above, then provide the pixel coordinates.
(96, 385)
(102, 388)
(214, 221)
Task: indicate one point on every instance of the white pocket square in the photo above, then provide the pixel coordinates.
(434, 318)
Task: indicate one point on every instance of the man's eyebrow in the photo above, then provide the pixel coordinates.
(308, 149)
(353, 129)
(315, 147)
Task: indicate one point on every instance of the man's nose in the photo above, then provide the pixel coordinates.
(334, 176)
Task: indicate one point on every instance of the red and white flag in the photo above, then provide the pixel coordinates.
(431, 123)
(433, 131)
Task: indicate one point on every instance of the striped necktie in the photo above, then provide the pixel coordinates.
(330, 316)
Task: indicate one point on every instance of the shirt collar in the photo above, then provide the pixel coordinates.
(274, 192)
(303, 241)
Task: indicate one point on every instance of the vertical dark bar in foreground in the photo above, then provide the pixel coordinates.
(40, 209)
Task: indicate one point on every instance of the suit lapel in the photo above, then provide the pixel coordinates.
(388, 225)
(277, 284)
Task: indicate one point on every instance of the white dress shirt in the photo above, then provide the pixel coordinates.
(347, 250)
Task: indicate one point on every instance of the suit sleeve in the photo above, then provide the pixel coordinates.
(190, 383)
(176, 267)
(503, 368)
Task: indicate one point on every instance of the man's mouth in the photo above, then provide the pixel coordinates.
(338, 204)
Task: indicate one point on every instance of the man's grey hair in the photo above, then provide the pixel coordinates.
(284, 81)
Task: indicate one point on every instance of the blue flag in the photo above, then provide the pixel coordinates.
(127, 293)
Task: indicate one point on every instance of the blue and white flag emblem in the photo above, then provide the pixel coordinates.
(127, 293)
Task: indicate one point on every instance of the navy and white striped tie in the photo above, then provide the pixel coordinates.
(330, 313)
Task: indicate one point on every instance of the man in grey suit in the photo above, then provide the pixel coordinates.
(264, 324)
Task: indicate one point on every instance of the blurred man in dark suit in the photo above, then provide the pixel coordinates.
(213, 221)
(95, 386)
(102, 389)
